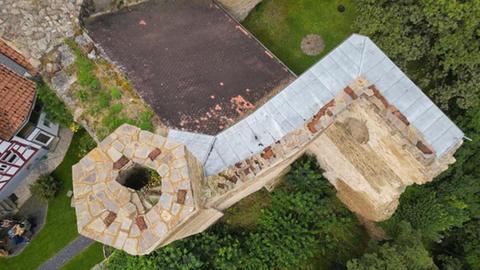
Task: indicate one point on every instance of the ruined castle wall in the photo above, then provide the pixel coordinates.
(263, 179)
(366, 147)
(199, 222)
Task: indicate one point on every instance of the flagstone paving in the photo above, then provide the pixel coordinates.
(119, 216)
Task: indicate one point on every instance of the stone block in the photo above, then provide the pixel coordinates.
(160, 229)
(166, 201)
(181, 196)
(142, 152)
(176, 209)
(90, 179)
(145, 136)
(154, 154)
(118, 145)
(114, 154)
(97, 225)
(134, 231)
(127, 210)
(167, 186)
(122, 236)
(113, 228)
(126, 223)
(152, 216)
(165, 215)
(130, 246)
(157, 141)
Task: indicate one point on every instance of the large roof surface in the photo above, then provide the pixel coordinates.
(15, 60)
(356, 57)
(197, 67)
(17, 93)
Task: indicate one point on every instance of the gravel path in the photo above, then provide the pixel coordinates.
(66, 254)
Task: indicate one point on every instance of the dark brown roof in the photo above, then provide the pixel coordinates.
(17, 96)
(197, 67)
(17, 57)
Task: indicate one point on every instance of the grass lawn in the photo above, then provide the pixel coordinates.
(87, 259)
(60, 227)
(282, 24)
(245, 213)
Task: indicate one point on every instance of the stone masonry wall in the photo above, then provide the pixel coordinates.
(36, 27)
(97, 7)
(239, 8)
(240, 180)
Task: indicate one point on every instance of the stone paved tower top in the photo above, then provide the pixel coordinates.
(122, 217)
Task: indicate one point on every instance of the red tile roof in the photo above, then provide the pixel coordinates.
(11, 53)
(17, 96)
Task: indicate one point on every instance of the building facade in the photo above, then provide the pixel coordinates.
(25, 132)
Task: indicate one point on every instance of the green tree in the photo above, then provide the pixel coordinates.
(405, 252)
(45, 188)
(461, 248)
(304, 220)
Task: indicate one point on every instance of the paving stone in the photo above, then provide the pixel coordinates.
(134, 214)
(176, 209)
(163, 170)
(160, 229)
(152, 216)
(142, 152)
(114, 154)
(167, 187)
(166, 201)
(131, 245)
(126, 223)
(122, 236)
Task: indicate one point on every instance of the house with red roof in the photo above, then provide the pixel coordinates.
(25, 133)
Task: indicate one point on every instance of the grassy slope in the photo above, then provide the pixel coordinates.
(282, 24)
(87, 259)
(60, 227)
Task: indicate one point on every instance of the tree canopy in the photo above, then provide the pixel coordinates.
(405, 252)
(436, 41)
(304, 221)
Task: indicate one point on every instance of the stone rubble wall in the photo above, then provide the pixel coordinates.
(239, 9)
(36, 27)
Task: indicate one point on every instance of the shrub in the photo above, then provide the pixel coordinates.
(155, 179)
(103, 100)
(115, 93)
(85, 68)
(54, 108)
(145, 121)
(115, 109)
(82, 95)
(45, 188)
(85, 144)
